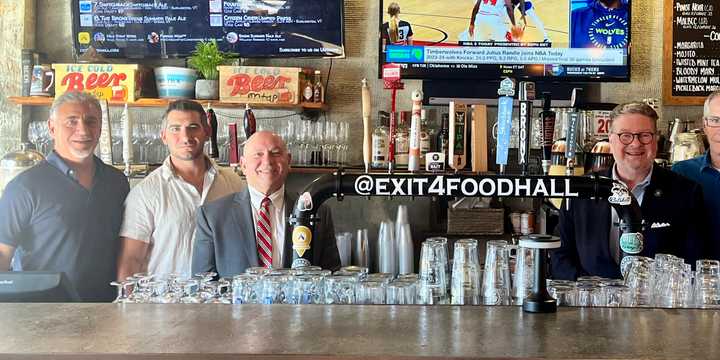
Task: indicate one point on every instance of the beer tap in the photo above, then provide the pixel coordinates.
(233, 157)
(548, 130)
(504, 121)
(526, 95)
(458, 124)
(367, 126)
(213, 123)
(127, 149)
(414, 141)
(571, 138)
(249, 123)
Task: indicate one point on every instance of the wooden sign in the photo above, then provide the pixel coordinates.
(691, 51)
(260, 84)
(112, 82)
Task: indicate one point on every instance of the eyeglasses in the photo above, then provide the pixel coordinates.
(627, 138)
(712, 121)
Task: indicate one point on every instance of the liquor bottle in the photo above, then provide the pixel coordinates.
(318, 89)
(426, 135)
(443, 140)
(308, 92)
(402, 141)
(380, 141)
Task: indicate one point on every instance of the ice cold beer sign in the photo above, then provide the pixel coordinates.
(465, 186)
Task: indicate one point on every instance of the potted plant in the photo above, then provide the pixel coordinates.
(205, 59)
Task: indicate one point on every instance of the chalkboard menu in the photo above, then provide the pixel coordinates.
(691, 54)
(171, 28)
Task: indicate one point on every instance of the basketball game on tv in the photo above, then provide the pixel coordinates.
(575, 40)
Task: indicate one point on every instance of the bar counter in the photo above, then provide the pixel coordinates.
(146, 331)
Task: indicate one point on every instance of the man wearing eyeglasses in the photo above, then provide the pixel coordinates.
(706, 169)
(672, 205)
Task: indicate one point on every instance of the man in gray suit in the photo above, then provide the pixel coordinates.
(250, 228)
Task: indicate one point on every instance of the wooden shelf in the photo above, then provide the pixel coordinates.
(47, 101)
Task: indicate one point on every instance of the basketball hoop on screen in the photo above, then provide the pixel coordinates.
(391, 77)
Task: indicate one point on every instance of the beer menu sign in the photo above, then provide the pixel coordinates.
(172, 28)
(691, 54)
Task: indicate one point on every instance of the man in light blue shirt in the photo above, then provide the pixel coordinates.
(705, 169)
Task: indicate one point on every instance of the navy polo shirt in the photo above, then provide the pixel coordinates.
(61, 226)
(701, 170)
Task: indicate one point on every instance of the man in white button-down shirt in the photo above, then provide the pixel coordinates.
(159, 224)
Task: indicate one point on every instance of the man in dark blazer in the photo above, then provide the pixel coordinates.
(235, 233)
(672, 206)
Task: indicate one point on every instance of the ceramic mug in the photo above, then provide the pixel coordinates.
(43, 79)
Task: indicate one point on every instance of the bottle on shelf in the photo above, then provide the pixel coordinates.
(308, 91)
(380, 141)
(318, 89)
(443, 140)
(402, 141)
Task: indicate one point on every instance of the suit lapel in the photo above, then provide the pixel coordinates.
(603, 222)
(287, 252)
(244, 220)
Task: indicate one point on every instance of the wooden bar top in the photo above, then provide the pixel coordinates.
(147, 331)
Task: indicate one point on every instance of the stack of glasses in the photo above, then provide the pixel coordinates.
(308, 285)
(665, 281)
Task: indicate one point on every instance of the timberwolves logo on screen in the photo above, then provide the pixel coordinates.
(609, 31)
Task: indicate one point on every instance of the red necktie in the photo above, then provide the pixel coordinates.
(264, 234)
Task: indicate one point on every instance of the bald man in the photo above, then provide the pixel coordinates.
(250, 228)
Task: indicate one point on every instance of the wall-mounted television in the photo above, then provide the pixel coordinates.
(171, 28)
(552, 40)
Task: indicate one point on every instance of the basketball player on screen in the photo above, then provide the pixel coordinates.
(528, 10)
(491, 20)
(396, 31)
(600, 24)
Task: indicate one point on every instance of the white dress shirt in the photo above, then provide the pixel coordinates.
(277, 220)
(160, 211)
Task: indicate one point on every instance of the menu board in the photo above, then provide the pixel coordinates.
(691, 54)
(172, 28)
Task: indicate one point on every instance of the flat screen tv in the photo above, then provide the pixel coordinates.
(552, 40)
(171, 28)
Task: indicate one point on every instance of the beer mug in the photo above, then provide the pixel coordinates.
(42, 81)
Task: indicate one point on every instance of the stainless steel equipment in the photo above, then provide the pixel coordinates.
(14, 163)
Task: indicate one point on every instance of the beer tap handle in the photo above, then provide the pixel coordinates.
(367, 126)
(212, 121)
(249, 123)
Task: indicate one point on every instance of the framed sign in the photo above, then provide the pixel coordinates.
(691, 51)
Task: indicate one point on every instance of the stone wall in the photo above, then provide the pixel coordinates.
(18, 31)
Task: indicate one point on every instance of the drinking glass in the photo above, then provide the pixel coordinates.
(496, 282)
(123, 291)
(272, 289)
(305, 289)
(707, 283)
(564, 294)
(245, 289)
(257, 270)
(433, 278)
(401, 292)
(371, 292)
(191, 294)
(361, 249)
(344, 245)
(616, 295)
(589, 294)
(638, 275)
(340, 289)
(465, 287)
(524, 277)
(385, 278)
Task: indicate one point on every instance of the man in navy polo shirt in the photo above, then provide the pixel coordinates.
(65, 213)
(705, 170)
